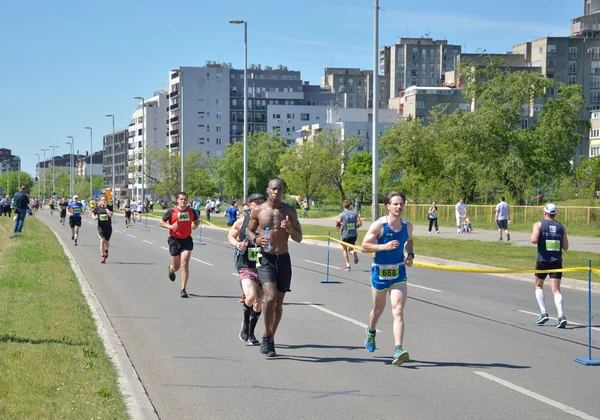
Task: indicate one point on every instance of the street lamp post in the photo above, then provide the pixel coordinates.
(113, 156)
(45, 168)
(91, 152)
(39, 172)
(71, 183)
(53, 179)
(239, 22)
(144, 126)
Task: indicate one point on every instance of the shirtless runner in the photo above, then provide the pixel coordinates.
(274, 264)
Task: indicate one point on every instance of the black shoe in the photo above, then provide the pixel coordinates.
(171, 274)
(264, 346)
(244, 332)
(252, 340)
(271, 352)
(508, 237)
(183, 293)
(72, 237)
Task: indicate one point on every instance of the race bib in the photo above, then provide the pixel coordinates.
(552, 245)
(104, 217)
(351, 226)
(185, 216)
(389, 272)
(76, 210)
(253, 254)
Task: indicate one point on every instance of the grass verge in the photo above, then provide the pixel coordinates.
(52, 360)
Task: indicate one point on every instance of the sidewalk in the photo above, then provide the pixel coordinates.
(576, 243)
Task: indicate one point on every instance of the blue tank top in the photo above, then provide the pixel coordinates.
(349, 224)
(549, 242)
(395, 256)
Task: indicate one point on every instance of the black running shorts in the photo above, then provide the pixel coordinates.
(63, 214)
(548, 266)
(105, 232)
(351, 241)
(177, 246)
(276, 269)
(502, 224)
(74, 221)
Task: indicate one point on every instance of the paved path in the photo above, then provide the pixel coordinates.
(576, 243)
(475, 349)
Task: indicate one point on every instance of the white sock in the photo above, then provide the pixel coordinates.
(558, 300)
(539, 295)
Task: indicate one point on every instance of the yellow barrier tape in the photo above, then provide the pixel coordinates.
(595, 271)
(356, 247)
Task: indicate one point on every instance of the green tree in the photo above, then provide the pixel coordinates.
(197, 180)
(358, 180)
(588, 176)
(340, 152)
(9, 181)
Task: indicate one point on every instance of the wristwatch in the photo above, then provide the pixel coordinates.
(410, 254)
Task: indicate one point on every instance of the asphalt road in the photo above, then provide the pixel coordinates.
(476, 352)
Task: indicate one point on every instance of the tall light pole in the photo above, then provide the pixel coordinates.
(239, 22)
(375, 138)
(144, 125)
(180, 72)
(112, 193)
(53, 179)
(45, 168)
(91, 152)
(39, 173)
(71, 184)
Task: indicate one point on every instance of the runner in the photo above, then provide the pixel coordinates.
(51, 204)
(75, 211)
(63, 204)
(348, 221)
(127, 209)
(274, 264)
(180, 220)
(92, 205)
(139, 208)
(551, 239)
(387, 238)
(133, 206)
(103, 213)
(245, 264)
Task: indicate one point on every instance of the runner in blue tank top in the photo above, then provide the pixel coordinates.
(387, 238)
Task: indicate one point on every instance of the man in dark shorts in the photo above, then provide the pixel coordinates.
(245, 263)
(273, 263)
(551, 239)
(103, 213)
(62, 205)
(75, 211)
(348, 221)
(127, 209)
(180, 220)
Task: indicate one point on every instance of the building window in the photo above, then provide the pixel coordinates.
(200, 140)
(290, 116)
(140, 131)
(219, 76)
(277, 116)
(595, 52)
(207, 127)
(551, 62)
(219, 128)
(218, 140)
(572, 66)
(595, 96)
(219, 89)
(201, 115)
(551, 48)
(573, 52)
(573, 79)
(524, 123)
(219, 115)
(304, 117)
(219, 102)
(420, 105)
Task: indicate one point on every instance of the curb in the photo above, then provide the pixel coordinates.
(138, 402)
(567, 283)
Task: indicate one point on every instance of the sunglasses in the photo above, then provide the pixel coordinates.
(247, 211)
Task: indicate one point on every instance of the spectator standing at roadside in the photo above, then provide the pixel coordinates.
(461, 214)
(503, 218)
(232, 213)
(305, 208)
(21, 206)
(207, 209)
(356, 205)
(433, 217)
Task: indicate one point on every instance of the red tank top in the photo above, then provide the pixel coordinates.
(184, 219)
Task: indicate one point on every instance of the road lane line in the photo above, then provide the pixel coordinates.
(162, 247)
(556, 404)
(324, 265)
(234, 274)
(426, 288)
(148, 242)
(131, 236)
(345, 318)
(203, 262)
(568, 320)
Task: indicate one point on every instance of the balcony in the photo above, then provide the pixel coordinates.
(172, 107)
(174, 119)
(174, 132)
(174, 145)
(174, 94)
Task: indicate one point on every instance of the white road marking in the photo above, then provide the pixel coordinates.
(234, 274)
(162, 247)
(203, 262)
(131, 236)
(345, 318)
(568, 320)
(118, 231)
(324, 265)
(148, 242)
(426, 288)
(556, 404)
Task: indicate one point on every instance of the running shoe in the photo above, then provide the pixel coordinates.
(183, 293)
(508, 237)
(271, 352)
(542, 319)
(347, 268)
(106, 254)
(355, 257)
(72, 237)
(264, 346)
(457, 230)
(103, 260)
(370, 341)
(500, 239)
(400, 356)
(75, 242)
(171, 274)
(252, 340)
(562, 322)
(244, 332)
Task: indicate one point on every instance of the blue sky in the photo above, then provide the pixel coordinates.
(65, 64)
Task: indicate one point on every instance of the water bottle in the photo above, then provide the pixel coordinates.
(267, 246)
(240, 252)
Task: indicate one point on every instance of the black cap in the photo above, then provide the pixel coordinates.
(256, 196)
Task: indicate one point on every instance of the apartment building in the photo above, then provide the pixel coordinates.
(82, 166)
(353, 88)
(147, 129)
(418, 101)
(289, 119)
(115, 151)
(416, 62)
(8, 161)
(587, 26)
(595, 134)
